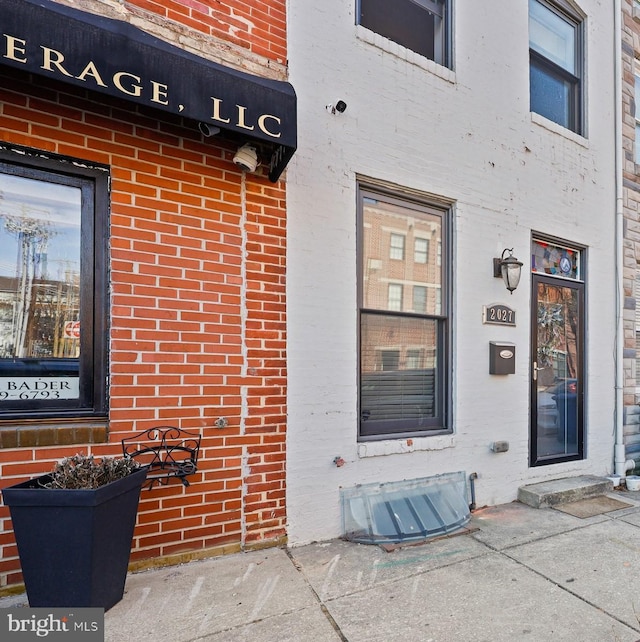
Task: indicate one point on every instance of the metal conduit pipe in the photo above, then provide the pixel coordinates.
(472, 486)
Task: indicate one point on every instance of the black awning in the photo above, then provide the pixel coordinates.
(116, 58)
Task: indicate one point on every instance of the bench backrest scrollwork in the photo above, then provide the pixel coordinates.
(168, 451)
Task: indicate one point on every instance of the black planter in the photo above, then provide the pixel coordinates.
(74, 545)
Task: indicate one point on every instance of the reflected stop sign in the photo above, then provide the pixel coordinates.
(72, 330)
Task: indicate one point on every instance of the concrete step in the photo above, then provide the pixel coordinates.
(561, 491)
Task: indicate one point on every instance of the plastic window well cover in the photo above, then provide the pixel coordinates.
(405, 511)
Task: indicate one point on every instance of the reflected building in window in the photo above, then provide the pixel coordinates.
(40, 287)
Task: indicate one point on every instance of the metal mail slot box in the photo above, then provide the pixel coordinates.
(502, 358)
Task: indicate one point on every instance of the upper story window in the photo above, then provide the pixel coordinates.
(395, 296)
(419, 298)
(419, 25)
(396, 247)
(53, 289)
(403, 318)
(637, 117)
(637, 329)
(421, 251)
(555, 59)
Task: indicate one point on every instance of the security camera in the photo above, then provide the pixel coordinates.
(246, 158)
(208, 130)
(341, 106)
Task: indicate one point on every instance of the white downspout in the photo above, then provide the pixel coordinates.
(621, 464)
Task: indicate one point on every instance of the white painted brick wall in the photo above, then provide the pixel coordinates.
(466, 136)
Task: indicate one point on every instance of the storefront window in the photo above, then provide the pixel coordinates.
(52, 290)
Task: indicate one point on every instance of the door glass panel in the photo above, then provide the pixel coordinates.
(557, 371)
(555, 260)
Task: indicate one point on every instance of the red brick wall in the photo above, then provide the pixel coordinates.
(258, 26)
(197, 310)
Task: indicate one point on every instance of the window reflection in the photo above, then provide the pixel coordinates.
(39, 269)
(389, 270)
(552, 36)
(401, 329)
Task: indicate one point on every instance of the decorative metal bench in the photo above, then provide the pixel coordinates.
(169, 452)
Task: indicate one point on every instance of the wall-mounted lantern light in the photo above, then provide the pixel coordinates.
(509, 269)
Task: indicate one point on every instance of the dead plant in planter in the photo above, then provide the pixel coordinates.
(74, 527)
(83, 471)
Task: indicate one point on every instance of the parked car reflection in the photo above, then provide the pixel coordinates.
(557, 405)
(64, 367)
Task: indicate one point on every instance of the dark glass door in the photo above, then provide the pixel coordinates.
(557, 400)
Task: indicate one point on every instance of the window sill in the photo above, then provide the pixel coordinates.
(52, 434)
(559, 129)
(403, 53)
(399, 446)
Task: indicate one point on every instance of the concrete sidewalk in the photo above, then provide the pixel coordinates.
(519, 573)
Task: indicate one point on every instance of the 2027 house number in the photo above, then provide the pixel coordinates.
(498, 314)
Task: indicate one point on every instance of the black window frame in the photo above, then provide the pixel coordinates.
(554, 71)
(441, 422)
(381, 24)
(580, 402)
(94, 181)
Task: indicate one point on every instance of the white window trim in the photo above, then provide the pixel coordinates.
(411, 57)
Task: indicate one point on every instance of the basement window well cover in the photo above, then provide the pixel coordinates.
(405, 511)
